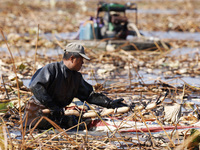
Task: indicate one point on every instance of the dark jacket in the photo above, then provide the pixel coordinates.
(55, 84)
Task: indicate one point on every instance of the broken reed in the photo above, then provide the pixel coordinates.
(16, 77)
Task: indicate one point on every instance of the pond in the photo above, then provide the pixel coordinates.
(173, 35)
(148, 76)
(155, 73)
(137, 79)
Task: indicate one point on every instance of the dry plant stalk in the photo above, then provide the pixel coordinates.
(147, 128)
(189, 140)
(63, 132)
(19, 100)
(163, 129)
(36, 50)
(2, 78)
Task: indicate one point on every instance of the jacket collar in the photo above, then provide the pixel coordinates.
(66, 71)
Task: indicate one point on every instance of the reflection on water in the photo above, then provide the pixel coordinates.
(159, 34)
(158, 11)
(173, 35)
(191, 52)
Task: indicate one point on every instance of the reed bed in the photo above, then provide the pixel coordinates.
(122, 84)
(119, 76)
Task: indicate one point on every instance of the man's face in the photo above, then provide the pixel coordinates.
(77, 63)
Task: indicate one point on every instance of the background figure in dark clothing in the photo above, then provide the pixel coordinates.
(55, 85)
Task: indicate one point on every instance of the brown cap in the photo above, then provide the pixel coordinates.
(75, 47)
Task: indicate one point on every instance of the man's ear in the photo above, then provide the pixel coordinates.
(72, 58)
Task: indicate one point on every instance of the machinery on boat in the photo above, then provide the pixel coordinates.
(111, 22)
(111, 27)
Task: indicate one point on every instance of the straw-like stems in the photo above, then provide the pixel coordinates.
(123, 45)
(36, 50)
(189, 140)
(136, 130)
(13, 61)
(163, 128)
(183, 94)
(5, 136)
(147, 128)
(80, 119)
(129, 75)
(139, 75)
(117, 131)
(70, 140)
(59, 44)
(163, 54)
(159, 48)
(38, 136)
(184, 138)
(2, 78)
(181, 103)
(101, 119)
(192, 87)
(134, 46)
(19, 100)
(6, 132)
(64, 132)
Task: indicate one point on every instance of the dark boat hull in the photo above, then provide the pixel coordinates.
(136, 44)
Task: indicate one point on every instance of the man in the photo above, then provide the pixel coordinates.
(55, 85)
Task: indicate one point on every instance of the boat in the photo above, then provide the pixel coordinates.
(111, 30)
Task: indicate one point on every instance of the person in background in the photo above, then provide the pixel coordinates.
(55, 85)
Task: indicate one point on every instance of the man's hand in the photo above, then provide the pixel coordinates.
(56, 113)
(117, 103)
(101, 100)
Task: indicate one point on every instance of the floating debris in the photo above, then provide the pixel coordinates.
(152, 119)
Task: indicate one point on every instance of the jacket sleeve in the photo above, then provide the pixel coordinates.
(84, 90)
(99, 99)
(39, 83)
(86, 93)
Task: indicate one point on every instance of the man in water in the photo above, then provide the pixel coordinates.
(55, 85)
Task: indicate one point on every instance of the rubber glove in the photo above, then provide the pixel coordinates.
(117, 103)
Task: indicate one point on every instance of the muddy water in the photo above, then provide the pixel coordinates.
(148, 76)
(173, 35)
(153, 34)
